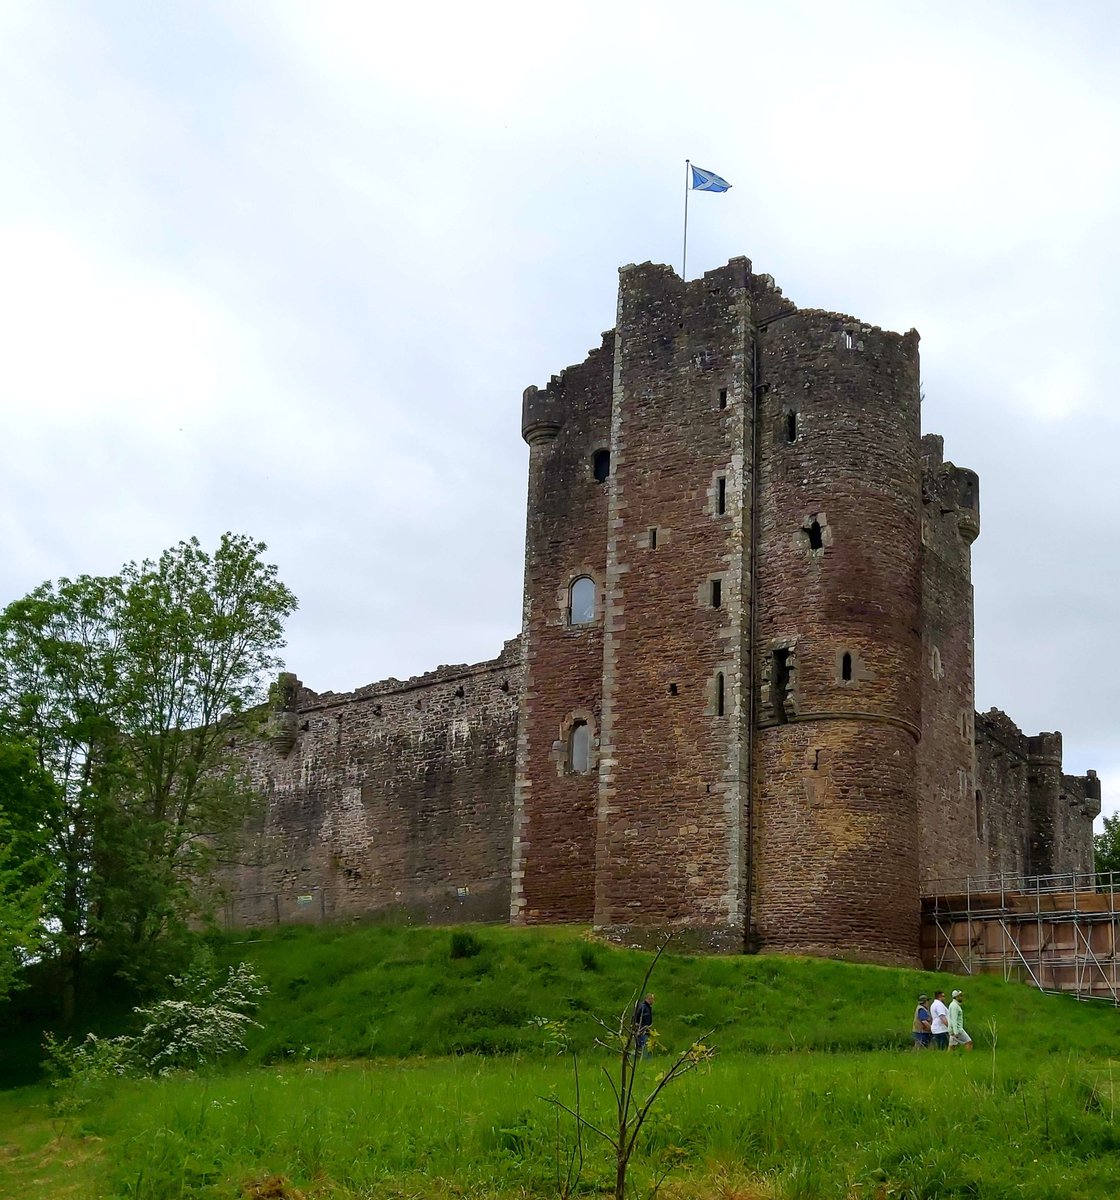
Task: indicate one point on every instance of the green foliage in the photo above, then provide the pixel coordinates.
(633, 1092)
(1106, 845)
(464, 944)
(205, 1021)
(28, 802)
(554, 1034)
(125, 686)
(81, 1073)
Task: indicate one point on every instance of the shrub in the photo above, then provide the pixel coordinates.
(207, 1021)
(464, 944)
(588, 959)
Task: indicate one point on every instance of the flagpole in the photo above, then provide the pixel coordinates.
(684, 252)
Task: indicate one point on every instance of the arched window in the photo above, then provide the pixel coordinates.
(601, 465)
(581, 601)
(846, 667)
(579, 748)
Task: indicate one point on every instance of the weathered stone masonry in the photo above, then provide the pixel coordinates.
(742, 703)
(395, 798)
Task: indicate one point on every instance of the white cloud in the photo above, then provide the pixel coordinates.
(286, 268)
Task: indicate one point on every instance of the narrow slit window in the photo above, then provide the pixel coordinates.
(791, 426)
(581, 601)
(601, 465)
(579, 749)
(721, 495)
(779, 684)
(653, 538)
(719, 694)
(816, 537)
(723, 397)
(848, 341)
(846, 667)
(717, 593)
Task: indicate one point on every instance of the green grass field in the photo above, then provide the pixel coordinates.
(388, 1068)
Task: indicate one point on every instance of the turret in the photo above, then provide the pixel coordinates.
(283, 718)
(1044, 785)
(838, 660)
(542, 415)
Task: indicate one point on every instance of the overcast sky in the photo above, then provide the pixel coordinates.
(285, 269)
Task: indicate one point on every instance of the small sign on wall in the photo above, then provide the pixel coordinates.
(304, 900)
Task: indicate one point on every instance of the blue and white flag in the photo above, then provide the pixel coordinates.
(707, 181)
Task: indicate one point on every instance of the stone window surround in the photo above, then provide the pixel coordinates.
(563, 599)
(767, 679)
(561, 747)
(719, 473)
(861, 673)
(802, 536)
(704, 593)
(711, 706)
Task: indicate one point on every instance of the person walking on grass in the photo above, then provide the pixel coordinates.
(939, 1021)
(958, 1036)
(922, 1022)
(643, 1023)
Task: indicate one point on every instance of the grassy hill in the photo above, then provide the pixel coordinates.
(813, 1092)
(383, 991)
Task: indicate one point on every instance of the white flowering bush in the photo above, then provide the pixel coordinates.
(207, 1020)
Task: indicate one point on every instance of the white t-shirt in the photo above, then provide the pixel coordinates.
(940, 1015)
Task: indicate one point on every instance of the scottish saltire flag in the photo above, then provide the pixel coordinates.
(707, 181)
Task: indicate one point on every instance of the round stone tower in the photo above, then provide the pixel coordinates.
(837, 639)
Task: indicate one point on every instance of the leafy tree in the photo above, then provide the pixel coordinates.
(126, 686)
(1106, 845)
(59, 668)
(27, 800)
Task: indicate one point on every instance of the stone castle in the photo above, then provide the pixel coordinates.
(741, 703)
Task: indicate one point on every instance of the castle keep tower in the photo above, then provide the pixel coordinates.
(722, 587)
(747, 635)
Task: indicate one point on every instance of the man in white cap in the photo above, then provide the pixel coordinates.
(957, 1034)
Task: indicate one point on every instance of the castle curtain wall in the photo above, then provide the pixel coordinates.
(396, 799)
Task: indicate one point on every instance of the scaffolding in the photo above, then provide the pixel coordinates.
(1060, 933)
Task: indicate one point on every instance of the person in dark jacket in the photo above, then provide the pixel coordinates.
(643, 1023)
(922, 1022)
